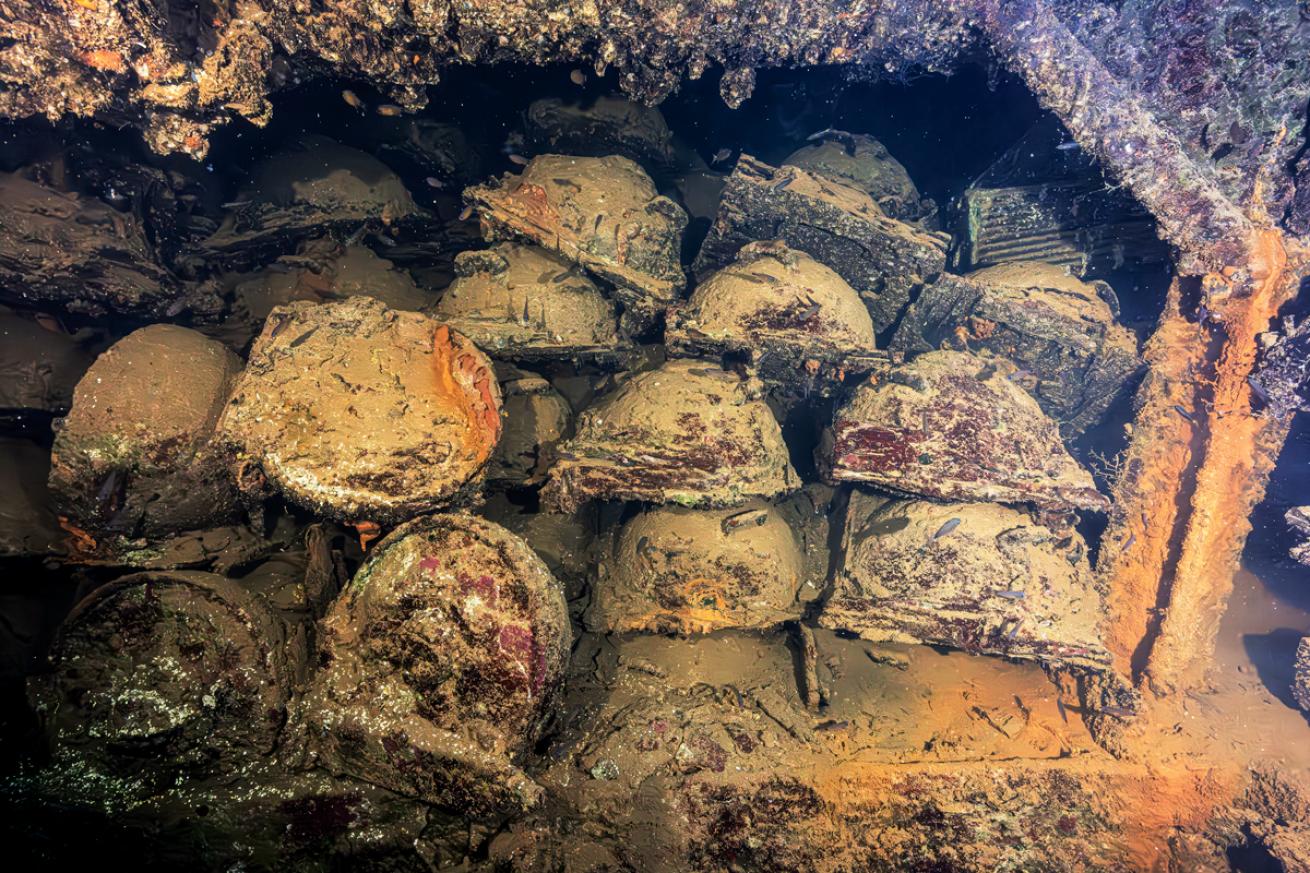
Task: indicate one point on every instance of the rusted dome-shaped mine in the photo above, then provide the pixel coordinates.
(136, 456)
(862, 162)
(156, 675)
(601, 213)
(677, 570)
(1059, 331)
(57, 247)
(523, 302)
(439, 663)
(952, 426)
(604, 126)
(791, 316)
(362, 413)
(685, 433)
(320, 271)
(309, 188)
(976, 576)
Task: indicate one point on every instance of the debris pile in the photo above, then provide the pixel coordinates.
(537, 504)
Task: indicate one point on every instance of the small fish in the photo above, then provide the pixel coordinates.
(779, 186)
(390, 110)
(517, 159)
(818, 135)
(1067, 146)
(175, 308)
(751, 518)
(300, 340)
(466, 213)
(950, 525)
(108, 488)
(1019, 374)
(1010, 595)
(352, 100)
(1184, 413)
(721, 155)
(1132, 538)
(764, 277)
(566, 183)
(434, 182)
(1059, 705)
(1116, 711)
(524, 320)
(1014, 631)
(235, 204)
(577, 77)
(642, 543)
(50, 323)
(808, 312)
(599, 218)
(562, 277)
(282, 322)
(832, 725)
(385, 240)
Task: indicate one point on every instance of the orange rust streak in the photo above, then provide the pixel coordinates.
(482, 428)
(80, 543)
(1136, 545)
(1240, 451)
(368, 531)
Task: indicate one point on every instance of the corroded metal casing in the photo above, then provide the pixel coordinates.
(1074, 357)
(438, 664)
(601, 213)
(320, 271)
(604, 126)
(306, 189)
(885, 260)
(863, 162)
(677, 570)
(362, 413)
(686, 433)
(794, 319)
(137, 454)
(156, 676)
(976, 576)
(77, 252)
(951, 426)
(521, 302)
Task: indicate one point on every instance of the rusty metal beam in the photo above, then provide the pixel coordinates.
(1200, 456)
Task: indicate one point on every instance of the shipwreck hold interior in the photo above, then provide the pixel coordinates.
(856, 478)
